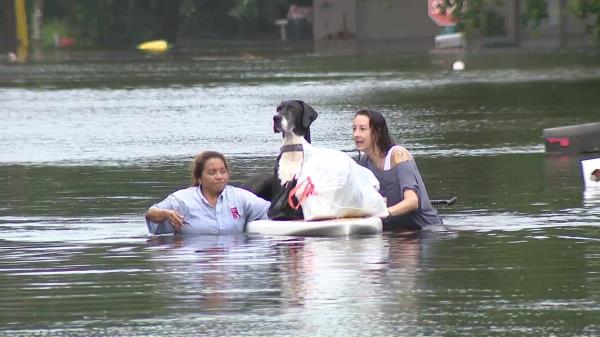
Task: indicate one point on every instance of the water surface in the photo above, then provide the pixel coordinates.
(88, 142)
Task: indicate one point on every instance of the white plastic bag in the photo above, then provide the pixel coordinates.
(331, 185)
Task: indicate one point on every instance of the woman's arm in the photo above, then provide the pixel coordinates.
(409, 203)
(256, 207)
(410, 199)
(158, 215)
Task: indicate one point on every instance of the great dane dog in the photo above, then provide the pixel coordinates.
(293, 118)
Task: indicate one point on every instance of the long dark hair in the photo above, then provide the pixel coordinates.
(379, 130)
(200, 162)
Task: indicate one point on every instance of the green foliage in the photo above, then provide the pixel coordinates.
(122, 23)
(585, 8)
(53, 28)
(469, 18)
(258, 13)
(108, 23)
(535, 12)
(582, 8)
(474, 15)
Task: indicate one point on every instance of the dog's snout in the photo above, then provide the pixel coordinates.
(277, 123)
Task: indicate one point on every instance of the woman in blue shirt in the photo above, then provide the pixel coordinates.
(209, 206)
(399, 179)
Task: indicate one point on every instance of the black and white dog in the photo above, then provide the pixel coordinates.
(339, 187)
(293, 119)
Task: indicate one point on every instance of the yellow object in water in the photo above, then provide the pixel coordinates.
(154, 46)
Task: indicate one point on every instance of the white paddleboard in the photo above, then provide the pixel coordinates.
(335, 227)
(588, 167)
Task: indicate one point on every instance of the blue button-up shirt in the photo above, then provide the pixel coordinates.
(235, 207)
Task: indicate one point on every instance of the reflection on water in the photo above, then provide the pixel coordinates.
(86, 146)
(591, 199)
(283, 285)
(254, 286)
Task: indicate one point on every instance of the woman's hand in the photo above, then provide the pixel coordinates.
(159, 215)
(175, 218)
(387, 217)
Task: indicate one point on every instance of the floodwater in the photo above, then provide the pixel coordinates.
(88, 141)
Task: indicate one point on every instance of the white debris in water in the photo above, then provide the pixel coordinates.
(458, 65)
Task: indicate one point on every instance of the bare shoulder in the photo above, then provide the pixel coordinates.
(400, 155)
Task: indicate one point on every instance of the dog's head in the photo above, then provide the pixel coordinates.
(294, 117)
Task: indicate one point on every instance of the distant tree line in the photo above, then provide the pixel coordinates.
(115, 23)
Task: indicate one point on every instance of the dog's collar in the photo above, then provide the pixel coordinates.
(291, 148)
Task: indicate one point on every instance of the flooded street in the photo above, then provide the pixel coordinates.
(89, 142)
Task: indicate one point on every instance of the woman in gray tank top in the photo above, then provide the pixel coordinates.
(399, 178)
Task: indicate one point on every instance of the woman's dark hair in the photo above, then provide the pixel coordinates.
(200, 162)
(379, 130)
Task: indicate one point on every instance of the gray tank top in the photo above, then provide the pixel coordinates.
(392, 184)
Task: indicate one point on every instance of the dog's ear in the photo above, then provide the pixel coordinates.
(308, 114)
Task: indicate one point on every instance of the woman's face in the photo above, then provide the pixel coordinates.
(361, 133)
(214, 176)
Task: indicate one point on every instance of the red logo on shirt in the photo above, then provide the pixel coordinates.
(234, 213)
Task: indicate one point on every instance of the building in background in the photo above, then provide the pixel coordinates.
(374, 26)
